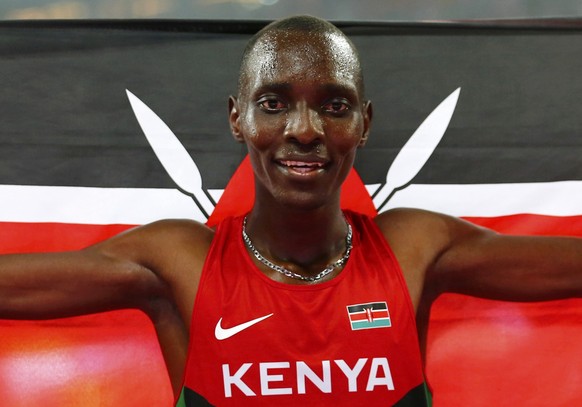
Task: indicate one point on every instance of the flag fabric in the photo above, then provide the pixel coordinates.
(75, 168)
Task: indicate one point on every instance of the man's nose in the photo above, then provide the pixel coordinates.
(304, 124)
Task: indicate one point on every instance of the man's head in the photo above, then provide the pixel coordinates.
(300, 110)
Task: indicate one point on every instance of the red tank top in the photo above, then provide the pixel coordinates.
(348, 341)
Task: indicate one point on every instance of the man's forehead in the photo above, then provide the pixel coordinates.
(332, 43)
(302, 53)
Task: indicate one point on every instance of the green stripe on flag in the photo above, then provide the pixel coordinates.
(377, 323)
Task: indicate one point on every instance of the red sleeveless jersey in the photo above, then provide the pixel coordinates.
(349, 341)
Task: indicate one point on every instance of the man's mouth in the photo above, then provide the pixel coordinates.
(302, 167)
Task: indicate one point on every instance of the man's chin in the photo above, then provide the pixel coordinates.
(304, 201)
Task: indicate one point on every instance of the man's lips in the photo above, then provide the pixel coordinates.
(302, 167)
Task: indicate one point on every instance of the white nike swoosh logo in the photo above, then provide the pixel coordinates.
(221, 333)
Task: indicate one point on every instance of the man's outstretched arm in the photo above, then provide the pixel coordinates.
(131, 270)
(439, 253)
(50, 285)
(482, 263)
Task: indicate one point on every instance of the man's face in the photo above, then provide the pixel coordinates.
(300, 112)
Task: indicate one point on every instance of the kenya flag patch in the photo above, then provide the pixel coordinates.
(369, 315)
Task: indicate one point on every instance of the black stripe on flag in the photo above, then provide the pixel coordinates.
(361, 307)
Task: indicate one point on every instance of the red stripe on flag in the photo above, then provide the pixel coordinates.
(47, 237)
(363, 316)
(533, 224)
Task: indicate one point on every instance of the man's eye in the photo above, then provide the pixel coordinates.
(337, 106)
(271, 105)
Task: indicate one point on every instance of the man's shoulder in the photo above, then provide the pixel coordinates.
(410, 224)
(186, 225)
(416, 237)
(178, 247)
(167, 235)
(179, 229)
(404, 216)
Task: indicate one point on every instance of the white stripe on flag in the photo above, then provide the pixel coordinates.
(563, 198)
(99, 206)
(136, 206)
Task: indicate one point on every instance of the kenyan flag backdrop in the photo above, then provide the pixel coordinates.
(76, 168)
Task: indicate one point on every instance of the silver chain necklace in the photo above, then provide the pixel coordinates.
(289, 273)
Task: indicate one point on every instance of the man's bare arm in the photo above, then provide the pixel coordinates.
(482, 263)
(126, 271)
(439, 253)
(51, 285)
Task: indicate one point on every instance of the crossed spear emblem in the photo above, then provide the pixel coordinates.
(185, 173)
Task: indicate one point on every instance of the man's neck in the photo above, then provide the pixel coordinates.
(304, 241)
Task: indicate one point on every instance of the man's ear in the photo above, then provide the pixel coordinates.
(234, 119)
(367, 112)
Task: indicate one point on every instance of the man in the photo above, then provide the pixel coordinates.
(297, 302)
